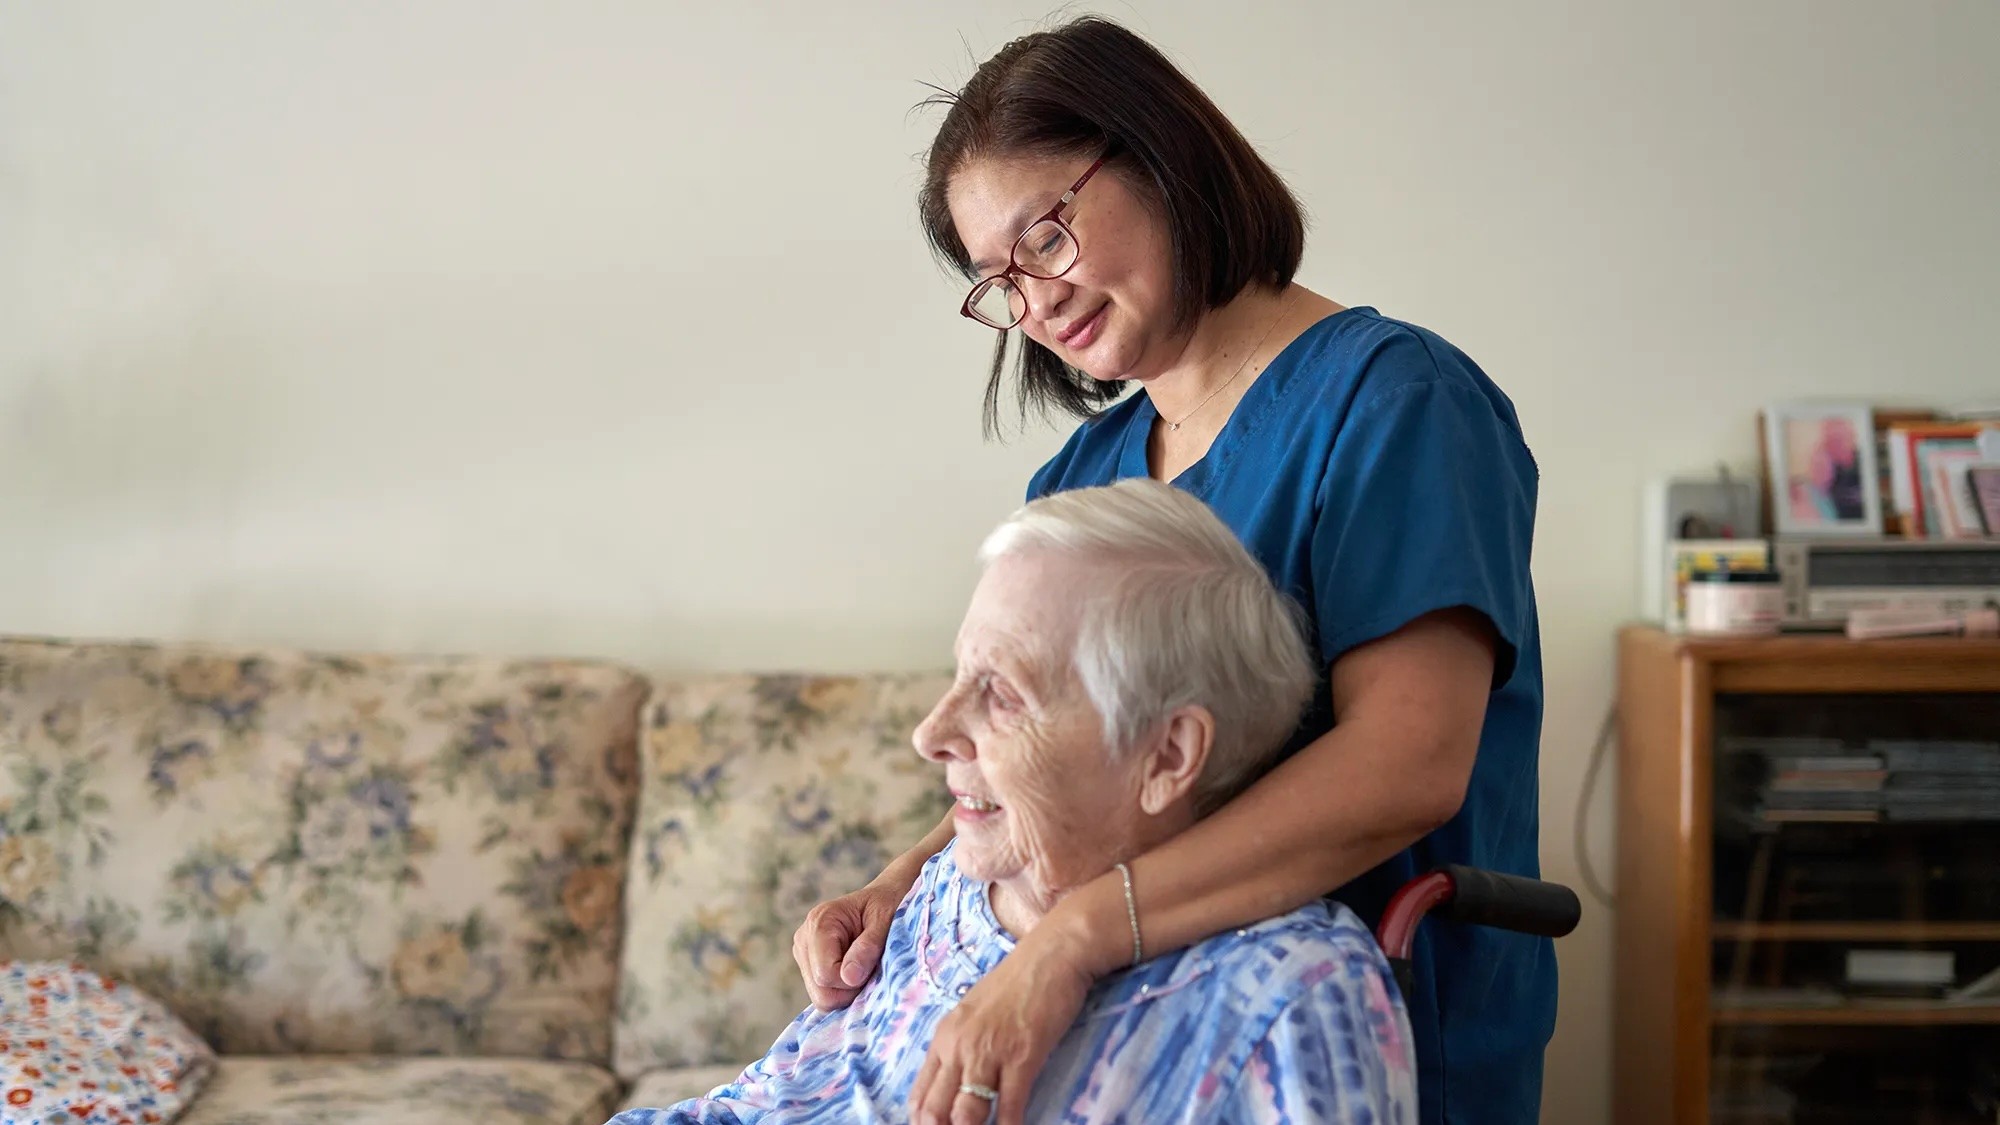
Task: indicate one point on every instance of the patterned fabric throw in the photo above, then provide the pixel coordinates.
(77, 1049)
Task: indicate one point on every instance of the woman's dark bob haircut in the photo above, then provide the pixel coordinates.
(1090, 87)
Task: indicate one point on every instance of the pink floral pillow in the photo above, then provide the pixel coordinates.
(83, 1050)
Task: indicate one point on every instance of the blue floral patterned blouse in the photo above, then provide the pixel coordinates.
(1295, 1020)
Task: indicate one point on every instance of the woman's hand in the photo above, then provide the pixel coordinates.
(1000, 1034)
(839, 945)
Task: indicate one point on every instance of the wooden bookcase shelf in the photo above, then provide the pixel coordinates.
(1674, 692)
(1861, 1015)
(1909, 932)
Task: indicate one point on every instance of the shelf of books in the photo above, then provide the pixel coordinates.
(1856, 896)
(1814, 870)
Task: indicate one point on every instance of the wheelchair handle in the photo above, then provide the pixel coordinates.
(1510, 902)
(1476, 897)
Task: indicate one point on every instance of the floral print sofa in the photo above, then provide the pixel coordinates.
(411, 889)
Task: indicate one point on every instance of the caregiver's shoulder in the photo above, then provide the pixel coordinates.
(1389, 360)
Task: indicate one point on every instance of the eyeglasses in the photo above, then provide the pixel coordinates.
(1045, 251)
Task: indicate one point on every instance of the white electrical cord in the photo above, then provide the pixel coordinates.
(1606, 734)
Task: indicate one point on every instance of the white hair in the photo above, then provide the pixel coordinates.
(1188, 617)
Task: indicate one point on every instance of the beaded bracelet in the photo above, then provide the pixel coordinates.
(1132, 915)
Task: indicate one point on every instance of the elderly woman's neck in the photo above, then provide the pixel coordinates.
(1019, 905)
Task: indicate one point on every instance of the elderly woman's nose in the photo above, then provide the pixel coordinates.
(941, 735)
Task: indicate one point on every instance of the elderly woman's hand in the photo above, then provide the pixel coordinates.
(1000, 1034)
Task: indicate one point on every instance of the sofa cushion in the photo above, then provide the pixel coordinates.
(313, 853)
(761, 796)
(380, 1091)
(75, 1047)
(661, 1088)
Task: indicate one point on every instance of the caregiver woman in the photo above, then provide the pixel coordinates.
(1105, 208)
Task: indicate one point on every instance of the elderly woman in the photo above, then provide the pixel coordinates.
(1124, 666)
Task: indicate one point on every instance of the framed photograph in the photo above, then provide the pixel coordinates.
(1825, 478)
(1984, 481)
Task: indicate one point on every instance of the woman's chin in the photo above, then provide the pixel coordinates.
(979, 863)
(1101, 359)
(1099, 368)
(1108, 363)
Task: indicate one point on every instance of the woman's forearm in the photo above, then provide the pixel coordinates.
(1394, 767)
(1312, 824)
(903, 870)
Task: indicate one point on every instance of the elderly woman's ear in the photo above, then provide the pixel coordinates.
(1174, 759)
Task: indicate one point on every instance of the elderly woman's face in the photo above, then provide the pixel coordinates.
(1040, 804)
(1111, 314)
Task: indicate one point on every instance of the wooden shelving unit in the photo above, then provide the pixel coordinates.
(1674, 693)
(1913, 932)
(1915, 1014)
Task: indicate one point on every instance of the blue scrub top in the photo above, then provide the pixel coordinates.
(1379, 475)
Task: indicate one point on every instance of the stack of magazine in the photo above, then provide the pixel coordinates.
(1824, 780)
(1940, 781)
(1811, 780)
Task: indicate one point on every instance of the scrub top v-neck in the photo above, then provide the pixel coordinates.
(1134, 460)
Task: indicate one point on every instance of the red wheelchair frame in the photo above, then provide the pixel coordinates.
(1475, 897)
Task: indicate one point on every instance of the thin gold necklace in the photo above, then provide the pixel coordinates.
(1240, 368)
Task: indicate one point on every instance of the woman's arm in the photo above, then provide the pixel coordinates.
(905, 868)
(1408, 710)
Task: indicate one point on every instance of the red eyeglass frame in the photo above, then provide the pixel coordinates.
(1014, 269)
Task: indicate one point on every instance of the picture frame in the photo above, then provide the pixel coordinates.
(1984, 480)
(1825, 475)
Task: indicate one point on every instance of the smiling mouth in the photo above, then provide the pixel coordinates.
(1080, 327)
(974, 804)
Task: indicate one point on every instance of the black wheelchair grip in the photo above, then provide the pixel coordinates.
(1510, 902)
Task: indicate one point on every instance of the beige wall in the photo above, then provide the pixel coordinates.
(606, 329)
